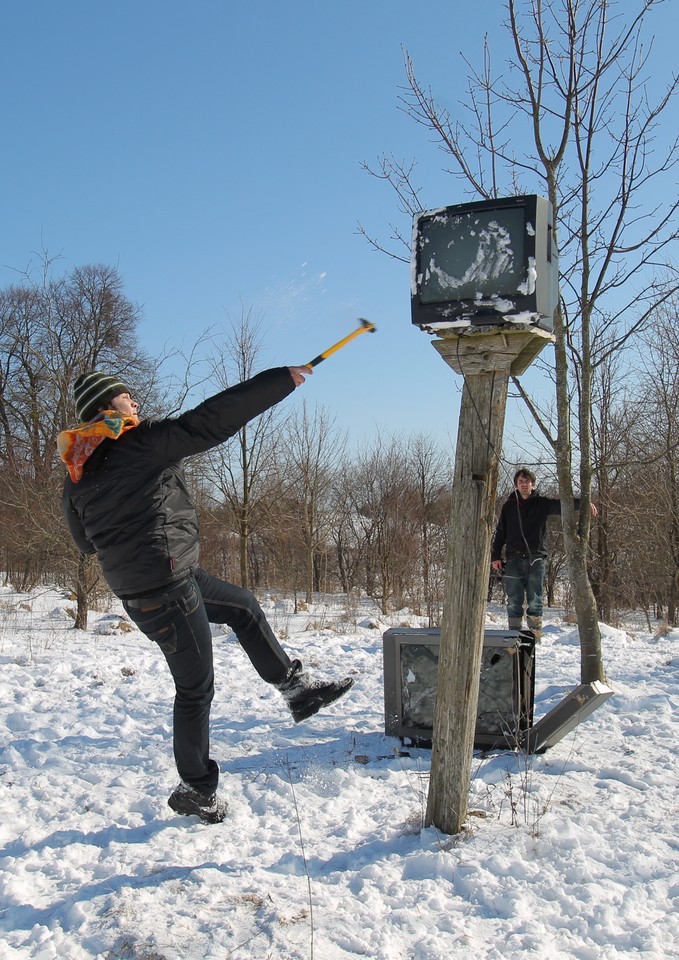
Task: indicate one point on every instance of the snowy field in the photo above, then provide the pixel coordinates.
(569, 854)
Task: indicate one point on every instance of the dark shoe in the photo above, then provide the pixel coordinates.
(305, 696)
(188, 802)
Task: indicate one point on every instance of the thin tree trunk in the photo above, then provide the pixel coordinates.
(81, 593)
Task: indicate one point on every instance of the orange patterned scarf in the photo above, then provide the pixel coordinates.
(75, 446)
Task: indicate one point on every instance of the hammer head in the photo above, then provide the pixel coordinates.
(370, 327)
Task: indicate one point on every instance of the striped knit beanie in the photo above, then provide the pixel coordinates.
(92, 391)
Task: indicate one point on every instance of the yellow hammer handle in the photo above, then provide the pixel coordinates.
(341, 343)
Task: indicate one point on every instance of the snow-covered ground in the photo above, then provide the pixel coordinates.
(568, 854)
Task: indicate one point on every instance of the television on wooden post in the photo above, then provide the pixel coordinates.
(506, 686)
(489, 262)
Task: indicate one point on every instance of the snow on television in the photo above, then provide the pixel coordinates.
(485, 263)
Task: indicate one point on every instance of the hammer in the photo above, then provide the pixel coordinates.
(365, 326)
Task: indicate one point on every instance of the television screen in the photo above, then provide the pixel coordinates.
(470, 252)
(481, 263)
(506, 686)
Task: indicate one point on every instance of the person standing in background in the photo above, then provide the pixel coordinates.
(521, 532)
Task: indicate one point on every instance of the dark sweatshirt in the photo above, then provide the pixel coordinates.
(522, 525)
(132, 506)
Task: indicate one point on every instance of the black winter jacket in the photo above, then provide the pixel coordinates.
(522, 525)
(132, 506)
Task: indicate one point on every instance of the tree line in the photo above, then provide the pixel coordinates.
(286, 504)
(280, 505)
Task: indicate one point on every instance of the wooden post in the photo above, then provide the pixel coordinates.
(486, 359)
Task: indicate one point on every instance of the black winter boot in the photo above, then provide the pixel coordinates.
(189, 802)
(305, 696)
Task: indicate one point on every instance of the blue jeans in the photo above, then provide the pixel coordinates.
(178, 620)
(524, 578)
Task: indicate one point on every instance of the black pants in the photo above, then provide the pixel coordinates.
(179, 622)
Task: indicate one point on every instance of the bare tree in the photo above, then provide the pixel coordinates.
(429, 471)
(657, 435)
(50, 331)
(613, 430)
(346, 533)
(385, 510)
(244, 471)
(313, 448)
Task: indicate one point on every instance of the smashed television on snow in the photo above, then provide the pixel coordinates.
(485, 263)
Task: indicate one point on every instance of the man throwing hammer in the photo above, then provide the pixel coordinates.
(126, 499)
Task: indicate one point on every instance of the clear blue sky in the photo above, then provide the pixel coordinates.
(212, 152)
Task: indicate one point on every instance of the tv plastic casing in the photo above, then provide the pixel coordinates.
(506, 687)
(488, 262)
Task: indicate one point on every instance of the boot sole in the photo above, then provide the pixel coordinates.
(317, 699)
